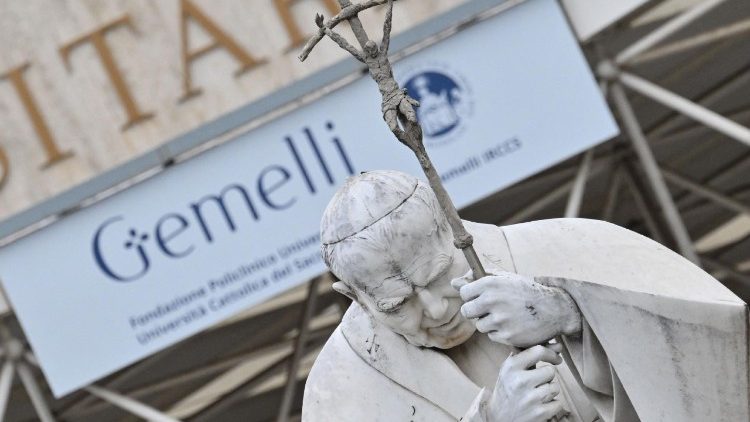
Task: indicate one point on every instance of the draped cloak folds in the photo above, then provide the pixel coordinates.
(662, 340)
(660, 334)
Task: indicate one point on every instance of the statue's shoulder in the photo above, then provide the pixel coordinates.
(338, 360)
(575, 226)
(337, 379)
(343, 386)
(604, 253)
(582, 245)
(581, 234)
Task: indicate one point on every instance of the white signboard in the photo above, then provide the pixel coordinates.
(152, 265)
(591, 16)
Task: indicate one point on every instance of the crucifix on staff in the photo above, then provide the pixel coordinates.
(397, 105)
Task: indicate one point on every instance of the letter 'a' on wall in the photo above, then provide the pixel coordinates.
(214, 235)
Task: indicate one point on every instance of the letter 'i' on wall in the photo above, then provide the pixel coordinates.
(296, 37)
(188, 11)
(98, 41)
(16, 77)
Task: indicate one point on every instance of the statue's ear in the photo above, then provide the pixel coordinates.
(345, 290)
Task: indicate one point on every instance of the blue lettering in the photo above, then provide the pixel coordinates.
(135, 240)
(219, 200)
(162, 239)
(300, 163)
(131, 261)
(318, 155)
(341, 150)
(265, 191)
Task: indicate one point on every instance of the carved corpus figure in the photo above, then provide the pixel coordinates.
(396, 103)
(648, 336)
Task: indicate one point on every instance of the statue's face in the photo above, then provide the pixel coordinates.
(408, 288)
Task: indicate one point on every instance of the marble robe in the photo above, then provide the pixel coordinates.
(662, 340)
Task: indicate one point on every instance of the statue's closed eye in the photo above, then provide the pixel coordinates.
(391, 304)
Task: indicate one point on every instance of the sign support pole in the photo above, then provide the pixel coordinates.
(6, 382)
(654, 176)
(299, 350)
(19, 361)
(34, 391)
(579, 186)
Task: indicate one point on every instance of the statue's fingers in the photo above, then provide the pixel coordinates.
(546, 392)
(556, 347)
(483, 325)
(471, 291)
(542, 375)
(488, 323)
(547, 411)
(533, 355)
(474, 309)
(561, 414)
(465, 279)
(457, 283)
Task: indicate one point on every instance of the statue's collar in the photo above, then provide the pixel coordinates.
(425, 372)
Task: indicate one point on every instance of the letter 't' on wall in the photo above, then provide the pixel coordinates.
(98, 41)
(4, 168)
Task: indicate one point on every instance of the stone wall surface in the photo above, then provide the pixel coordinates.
(87, 85)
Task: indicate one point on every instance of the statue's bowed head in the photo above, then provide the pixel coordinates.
(385, 237)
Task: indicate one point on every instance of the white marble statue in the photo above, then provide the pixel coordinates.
(647, 335)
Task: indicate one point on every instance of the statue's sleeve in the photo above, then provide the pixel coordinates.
(659, 333)
(593, 372)
(647, 356)
(477, 410)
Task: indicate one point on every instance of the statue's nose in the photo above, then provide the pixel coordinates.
(434, 306)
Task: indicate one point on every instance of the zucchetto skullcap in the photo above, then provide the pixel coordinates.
(362, 201)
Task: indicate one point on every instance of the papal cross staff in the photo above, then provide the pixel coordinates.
(397, 106)
(398, 109)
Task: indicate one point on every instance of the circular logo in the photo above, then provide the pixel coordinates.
(444, 102)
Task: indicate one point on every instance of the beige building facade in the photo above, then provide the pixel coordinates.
(88, 85)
